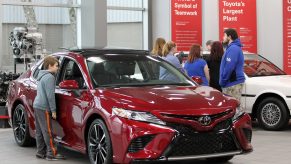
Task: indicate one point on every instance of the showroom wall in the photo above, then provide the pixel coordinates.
(56, 36)
(125, 35)
(269, 17)
(124, 27)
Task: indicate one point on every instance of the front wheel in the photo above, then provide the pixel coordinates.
(21, 128)
(99, 143)
(272, 114)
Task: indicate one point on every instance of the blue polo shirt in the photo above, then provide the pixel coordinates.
(197, 69)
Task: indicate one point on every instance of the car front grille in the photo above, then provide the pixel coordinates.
(189, 142)
(139, 143)
(223, 125)
(195, 118)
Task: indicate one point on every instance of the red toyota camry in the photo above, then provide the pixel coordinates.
(125, 106)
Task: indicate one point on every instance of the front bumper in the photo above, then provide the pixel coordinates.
(179, 142)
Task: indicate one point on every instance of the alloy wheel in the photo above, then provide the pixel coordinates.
(19, 125)
(271, 114)
(98, 148)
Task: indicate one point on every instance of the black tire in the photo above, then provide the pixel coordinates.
(220, 159)
(21, 127)
(99, 143)
(272, 114)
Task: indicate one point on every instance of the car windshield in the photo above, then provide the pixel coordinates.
(133, 70)
(256, 65)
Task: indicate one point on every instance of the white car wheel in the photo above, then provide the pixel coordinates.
(272, 114)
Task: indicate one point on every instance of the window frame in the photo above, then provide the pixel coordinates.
(60, 76)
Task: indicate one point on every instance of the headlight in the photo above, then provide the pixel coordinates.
(238, 112)
(138, 116)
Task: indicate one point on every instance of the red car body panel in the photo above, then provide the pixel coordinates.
(165, 102)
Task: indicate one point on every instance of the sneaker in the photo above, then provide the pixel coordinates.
(51, 158)
(41, 156)
(55, 158)
(60, 156)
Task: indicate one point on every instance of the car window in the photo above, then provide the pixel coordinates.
(37, 69)
(119, 70)
(255, 65)
(71, 71)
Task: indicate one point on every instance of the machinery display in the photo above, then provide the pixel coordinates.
(5, 78)
(26, 42)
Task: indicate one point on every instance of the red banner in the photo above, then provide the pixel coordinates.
(186, 22)
(242, 16)
(287, 35)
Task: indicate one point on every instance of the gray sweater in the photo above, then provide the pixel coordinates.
(45, 97)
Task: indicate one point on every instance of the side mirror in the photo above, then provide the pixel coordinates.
(69, 84)
(197, 79)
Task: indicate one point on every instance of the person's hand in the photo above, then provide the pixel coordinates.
(54, 115)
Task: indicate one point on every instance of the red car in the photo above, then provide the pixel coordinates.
(125, 106)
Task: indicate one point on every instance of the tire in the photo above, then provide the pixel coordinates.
(272, 114)
(20, 127)
(220, 159)
(99, 143)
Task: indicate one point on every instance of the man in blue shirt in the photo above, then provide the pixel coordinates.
(231, 69)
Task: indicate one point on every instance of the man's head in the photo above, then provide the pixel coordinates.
(208, 45)
(51, 64)
(229, 35)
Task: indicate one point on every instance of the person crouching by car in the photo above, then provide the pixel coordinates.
(196, 66)
(45, 110)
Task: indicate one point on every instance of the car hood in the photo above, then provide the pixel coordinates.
(173, 99)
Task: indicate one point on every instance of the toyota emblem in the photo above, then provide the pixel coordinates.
(204, 120)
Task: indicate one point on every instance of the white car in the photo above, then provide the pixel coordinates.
(267, 92)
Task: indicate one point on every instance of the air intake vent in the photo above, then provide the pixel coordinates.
(248, 134)
(139, 143)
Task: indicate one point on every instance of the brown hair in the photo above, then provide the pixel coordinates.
(167, 47)
(194, 53)
(158, 47)
(49, 61)
(216, 52)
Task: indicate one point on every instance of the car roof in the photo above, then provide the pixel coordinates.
(95, 52)
(207, 52)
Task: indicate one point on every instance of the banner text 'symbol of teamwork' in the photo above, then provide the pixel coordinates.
(186, 19)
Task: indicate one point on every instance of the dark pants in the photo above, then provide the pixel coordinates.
(44, 138)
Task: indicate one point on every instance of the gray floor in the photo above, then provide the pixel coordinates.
(269, 148)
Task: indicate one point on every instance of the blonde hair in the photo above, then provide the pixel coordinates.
(158, 47)
(168, 47)
(49, 61)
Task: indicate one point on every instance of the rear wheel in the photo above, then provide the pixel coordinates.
(272, 114)
(99, 143)
(220, 159)
(21, 128)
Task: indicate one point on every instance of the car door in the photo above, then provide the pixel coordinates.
(71, 105)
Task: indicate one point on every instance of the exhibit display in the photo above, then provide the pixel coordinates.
(186, 23)
(242, 16)
(5, 79)
(286, 35)
(113, 105)
(121, 87)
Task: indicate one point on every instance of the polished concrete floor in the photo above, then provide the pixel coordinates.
(269, 148)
